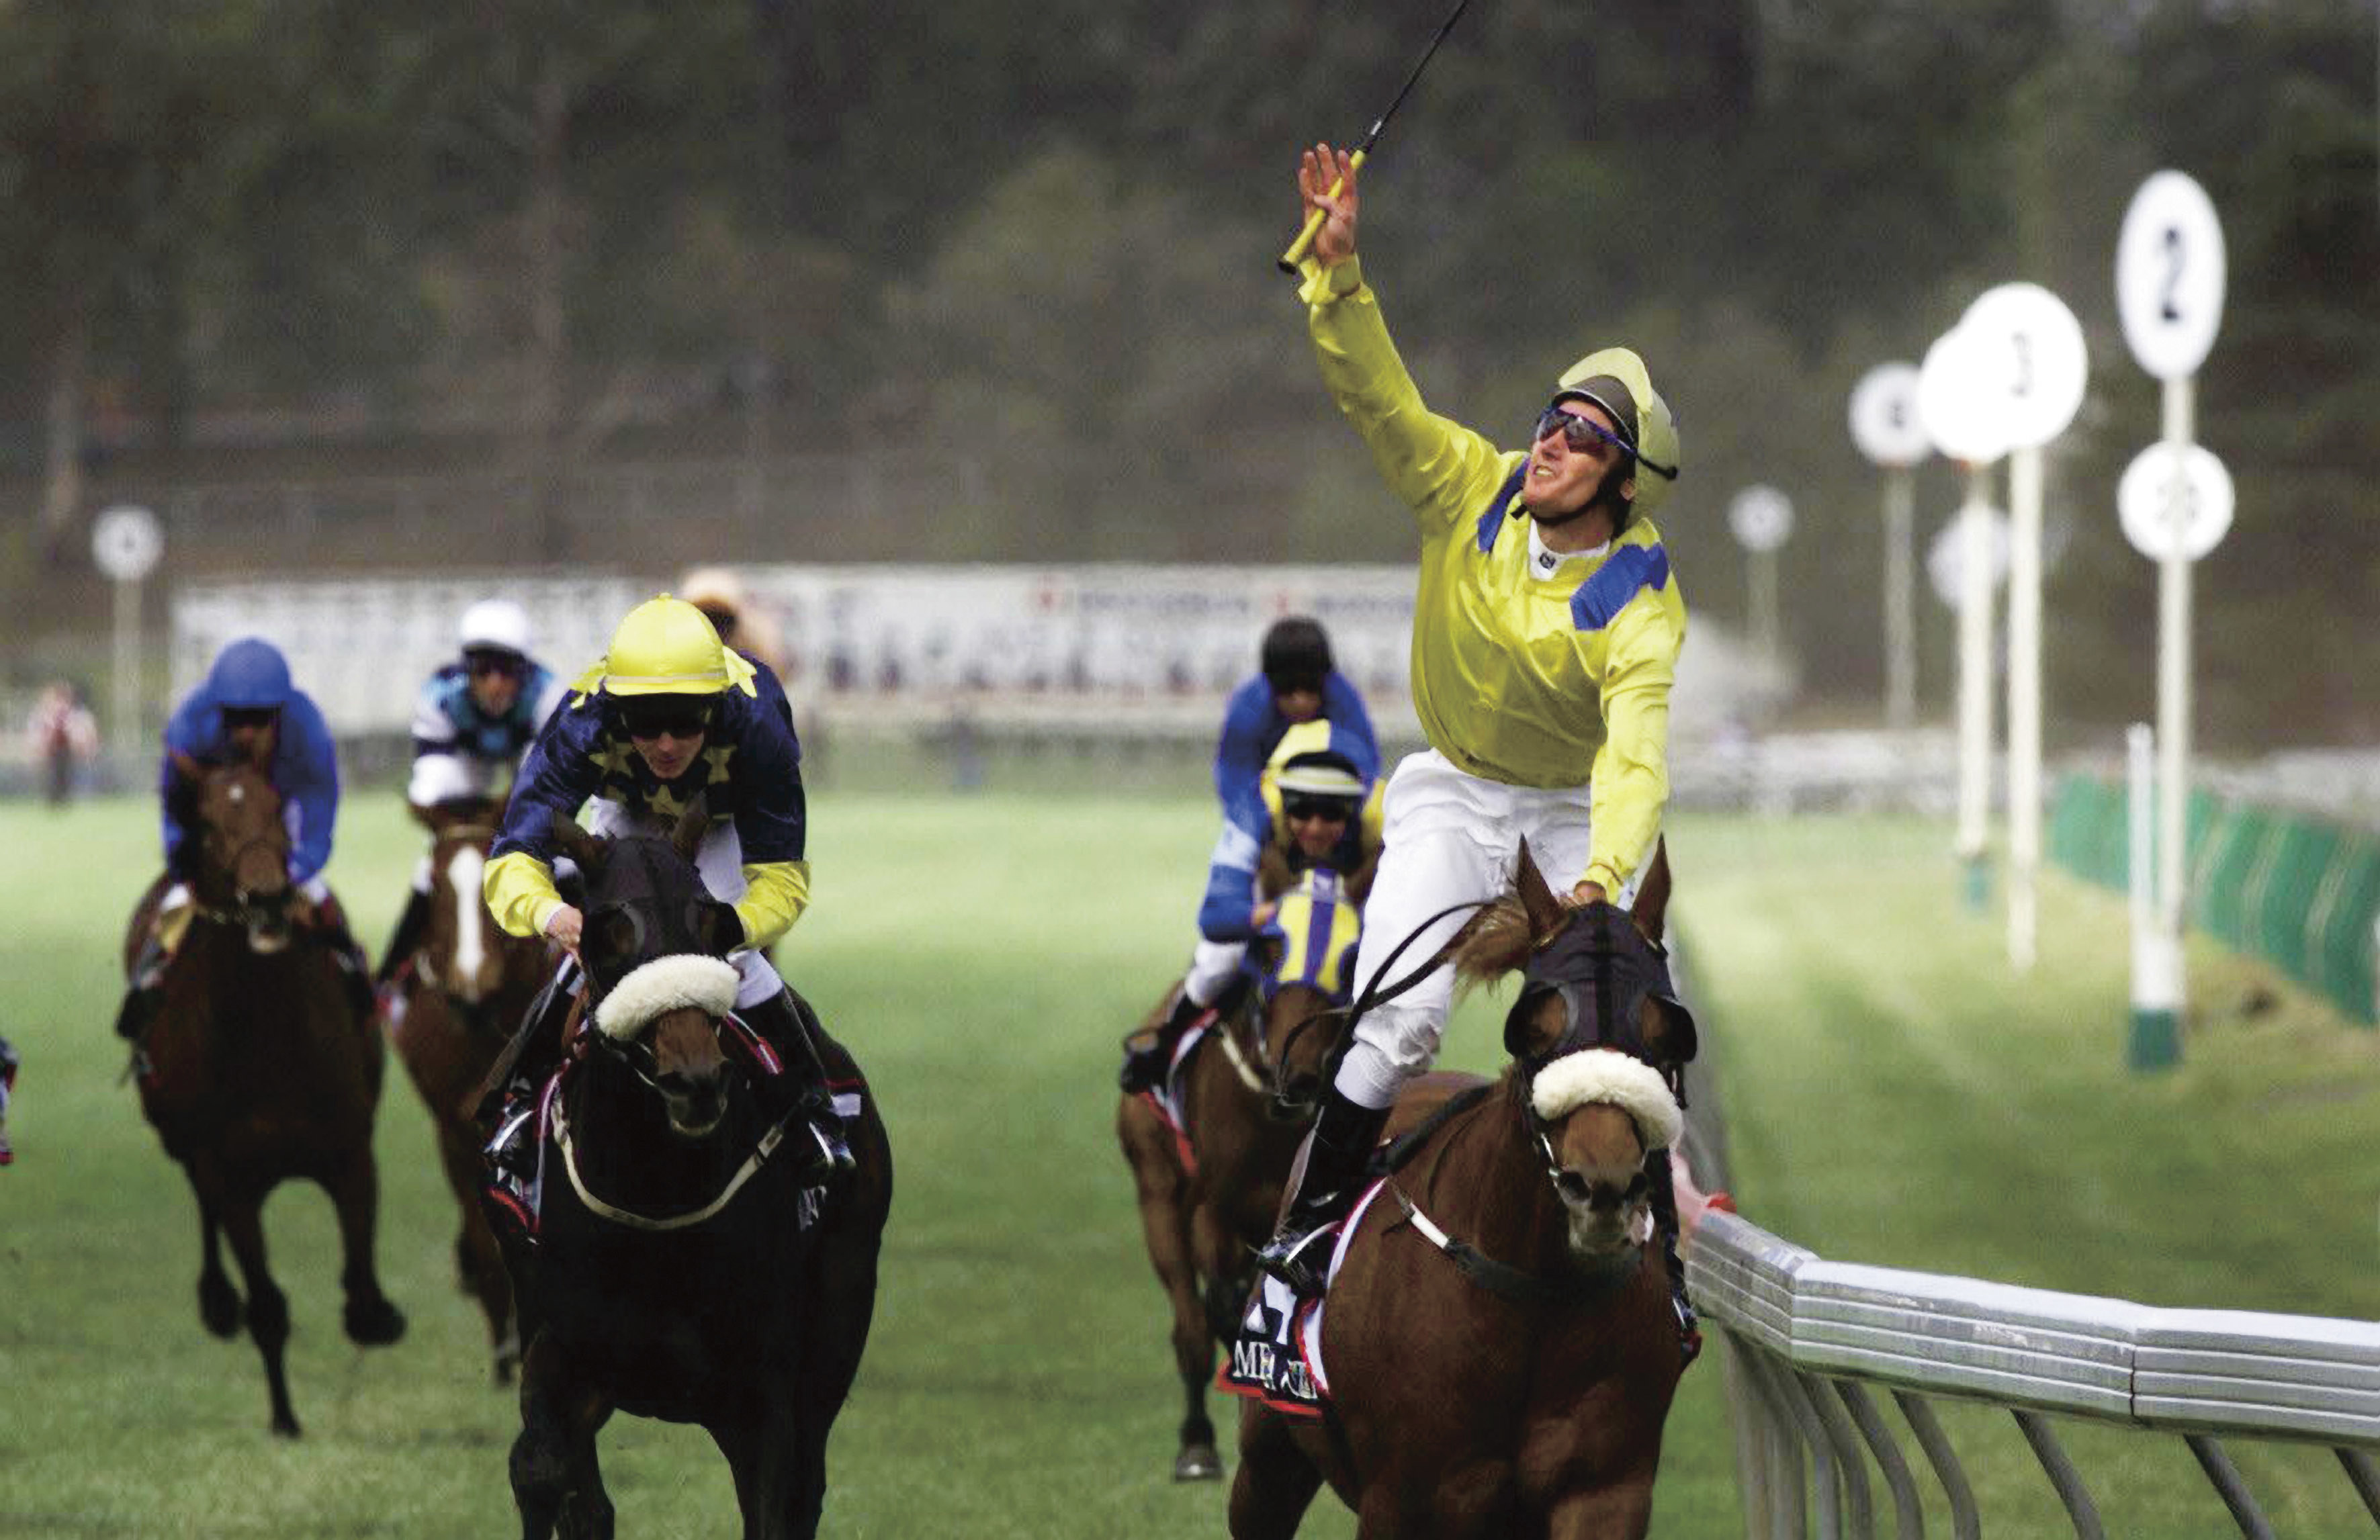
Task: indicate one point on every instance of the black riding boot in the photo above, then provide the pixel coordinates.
(535, 1048)
(787, 1023)
(1663, 1194)
(146, 987)
(407, 936)
(1146, 1063)
(1330, 1172)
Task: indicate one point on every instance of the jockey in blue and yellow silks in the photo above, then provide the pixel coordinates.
(249, 709)
(1296, 690)
(1545, 634)
(472, 722)
(670, 713)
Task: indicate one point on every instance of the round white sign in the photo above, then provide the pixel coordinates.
(1884, 417)
(1946, 557)
(2035, 362)
(2145, 500)
(1955, 404)
(2170, 271)
(1761, 516)
(126, 542)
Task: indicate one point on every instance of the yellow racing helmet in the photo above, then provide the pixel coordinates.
(667, 647)
(1616, 380)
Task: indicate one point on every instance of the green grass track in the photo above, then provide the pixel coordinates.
(1894, 1095)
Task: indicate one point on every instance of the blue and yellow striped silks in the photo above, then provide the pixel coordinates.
(1318, 925)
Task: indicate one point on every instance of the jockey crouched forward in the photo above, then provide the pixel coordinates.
(1322, 812)
(249, 709)
(472, 722)
(667, 715)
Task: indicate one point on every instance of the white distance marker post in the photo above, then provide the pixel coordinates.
(2170, 271)
(125, 544)
(1963, 418)
(1885, 426)
(2034, 348)
(1762, 518)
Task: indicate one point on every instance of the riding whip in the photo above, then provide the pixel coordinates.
(1304, 241)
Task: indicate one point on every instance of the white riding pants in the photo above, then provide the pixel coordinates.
(1212, 965)
(720, 861)
(1449, 838)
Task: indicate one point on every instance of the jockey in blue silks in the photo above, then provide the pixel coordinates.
(668, 716)
(249, 709)
(1297, 684)
(472, 722)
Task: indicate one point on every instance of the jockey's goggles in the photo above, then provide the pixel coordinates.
(250, 716)
(1578, 433)
(1297, 809)
(486, 661)
(656, 716)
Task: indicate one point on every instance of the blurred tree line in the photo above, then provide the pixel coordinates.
(1025, 252)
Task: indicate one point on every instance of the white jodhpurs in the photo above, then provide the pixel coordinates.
(1449, 838)
(1212, 965)
(719, 860)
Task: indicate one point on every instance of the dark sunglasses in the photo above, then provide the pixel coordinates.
(503, 663)
(674, 721)
(1298, 809)
(1578, 433)
(249, 716)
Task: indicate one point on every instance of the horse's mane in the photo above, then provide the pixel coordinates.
(1494, 942)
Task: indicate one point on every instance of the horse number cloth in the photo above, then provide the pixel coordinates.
(1277, 1358)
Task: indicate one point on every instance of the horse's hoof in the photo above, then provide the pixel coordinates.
(286, 1427)
(218, 1304)
(373, 1323)
(1198, 1463)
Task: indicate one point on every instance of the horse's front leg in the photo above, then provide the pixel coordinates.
(218, 1301)
(353, 1183)
(1276, 1480)
(242, 1214)
(779, 1463)
(1622, 1510)
(556, 1483)
(1162, 1188)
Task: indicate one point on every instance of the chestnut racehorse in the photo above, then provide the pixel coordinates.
(254, 1069)
(1208, 1194)
(1497, 1348)
(467, 986)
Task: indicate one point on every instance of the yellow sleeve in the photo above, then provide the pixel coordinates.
(775, 893)
(1632, 768)
(1441, 468)
(520, 893)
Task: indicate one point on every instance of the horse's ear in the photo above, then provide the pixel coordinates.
(186, 767)
(1545, 911)
(576, 843)
(1651, 910)
(686, 835)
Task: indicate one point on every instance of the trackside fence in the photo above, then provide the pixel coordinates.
(2299, 890)
(1815, 1347)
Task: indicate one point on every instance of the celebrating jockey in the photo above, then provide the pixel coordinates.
(1295, 686)
(471, 723)
(668, 714)
(1545, 642)
(248, 710)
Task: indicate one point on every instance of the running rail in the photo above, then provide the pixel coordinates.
(1806, 1340)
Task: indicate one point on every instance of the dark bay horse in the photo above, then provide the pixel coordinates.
(676, 1271)
(1514, 1383)
(1209, 1187)
(468, 986)
(255, 1069)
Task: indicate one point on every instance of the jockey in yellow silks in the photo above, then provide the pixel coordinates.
(1546, 636)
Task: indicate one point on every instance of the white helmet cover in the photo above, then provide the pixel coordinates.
(497, 625)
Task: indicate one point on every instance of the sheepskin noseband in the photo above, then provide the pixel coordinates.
(667, 984)
(1594, 1074)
